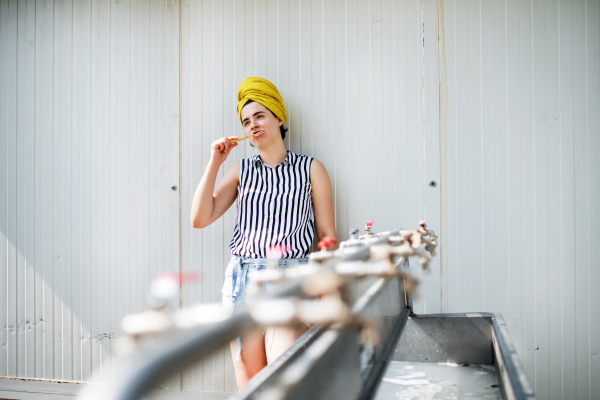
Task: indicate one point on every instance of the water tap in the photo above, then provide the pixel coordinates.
(326, 253)
(353, 239)
(428, 237)
(368, 226)
(158, 319)
(407, 249)
(165, 287)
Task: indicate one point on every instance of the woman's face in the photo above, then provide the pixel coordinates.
(257, 118)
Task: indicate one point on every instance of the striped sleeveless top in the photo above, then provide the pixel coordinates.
(274, 207)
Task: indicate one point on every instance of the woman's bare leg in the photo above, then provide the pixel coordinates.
(253, 357)
(279, 339)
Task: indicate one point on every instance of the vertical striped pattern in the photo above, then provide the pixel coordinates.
(274, 207)
(521, 150)
(350, 74)
(83, 193)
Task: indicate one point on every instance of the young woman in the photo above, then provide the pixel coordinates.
(282, 198)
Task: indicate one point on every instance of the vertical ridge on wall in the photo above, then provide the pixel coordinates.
(592, 23)
(430, 144)
(519, 91)
(7, 104)
(541, 207)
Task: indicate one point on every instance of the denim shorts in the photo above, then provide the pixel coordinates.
(237, 277)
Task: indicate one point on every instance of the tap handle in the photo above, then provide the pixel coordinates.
(277, 251)
(165, 286)
(416, 239)
(178, 277)
(326, 242)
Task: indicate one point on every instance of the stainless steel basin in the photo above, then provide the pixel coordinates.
(332, 362)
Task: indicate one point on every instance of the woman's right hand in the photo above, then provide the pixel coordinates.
(220, 148)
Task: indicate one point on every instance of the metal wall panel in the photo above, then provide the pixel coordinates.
(350, 73)
(521, 189)
(90, 94)
(89, 156)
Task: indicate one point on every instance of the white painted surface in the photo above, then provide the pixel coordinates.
(90, 130)
(520, 137)
(105, 105)
(85, 178)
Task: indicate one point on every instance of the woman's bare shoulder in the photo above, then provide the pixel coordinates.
(318, 170)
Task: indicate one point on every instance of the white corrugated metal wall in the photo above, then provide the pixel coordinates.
(88, 215)
(90, 117)
(90, 95)
(520, 132)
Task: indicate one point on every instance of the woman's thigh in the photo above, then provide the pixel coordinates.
(252, 357)
(279, 339)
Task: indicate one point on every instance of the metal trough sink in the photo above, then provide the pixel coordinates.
(337, 362)
(434, 349)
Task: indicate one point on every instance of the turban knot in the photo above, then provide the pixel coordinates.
(261, 91)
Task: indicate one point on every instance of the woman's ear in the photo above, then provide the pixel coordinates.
(279, 122)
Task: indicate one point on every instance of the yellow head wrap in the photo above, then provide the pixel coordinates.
(261, 91)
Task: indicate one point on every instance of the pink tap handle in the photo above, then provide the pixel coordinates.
(281, 247)
(180, 277)
(278, 250)
(165, 287)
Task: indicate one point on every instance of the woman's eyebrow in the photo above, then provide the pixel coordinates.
(255, 114)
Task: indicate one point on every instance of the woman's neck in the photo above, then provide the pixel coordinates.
(274, 155)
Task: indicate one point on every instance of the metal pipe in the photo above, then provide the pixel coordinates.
(151, 364)
(182, 351)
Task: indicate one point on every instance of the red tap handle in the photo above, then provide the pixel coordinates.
(369, 223)
(326, 242)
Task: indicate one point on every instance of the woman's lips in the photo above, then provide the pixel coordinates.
(259, 133)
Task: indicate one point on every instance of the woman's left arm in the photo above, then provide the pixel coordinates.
(322, 200)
